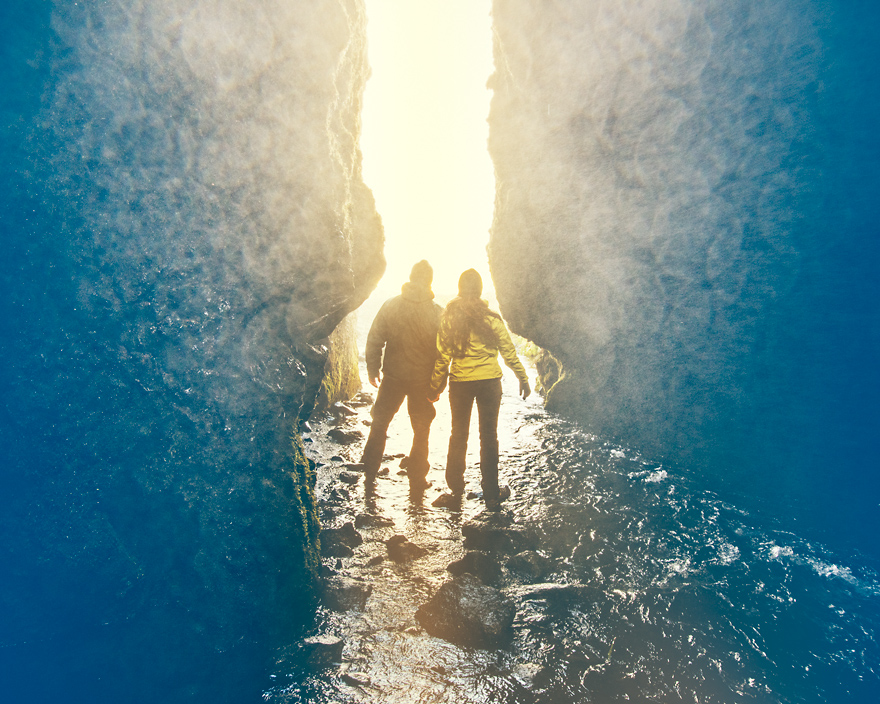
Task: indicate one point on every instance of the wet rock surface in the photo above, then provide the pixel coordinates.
(341, 593)
(340, 542)
(322, 651)
(467, 612)
(497, 533)
(402, 550)
(185, 224)
(481, 565)
(630, 266)
(601, 570)
(345, 436)
(532, 564)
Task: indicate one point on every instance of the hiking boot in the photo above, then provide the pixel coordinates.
(495, 504)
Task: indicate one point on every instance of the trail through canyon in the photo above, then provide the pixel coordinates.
(629, 581)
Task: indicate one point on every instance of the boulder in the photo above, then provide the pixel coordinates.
(531, 563)
(469, 613)
(402, 550)
(344, 437)
(479, 564)
(494, 532)
(367, 520)
(345, 594)
(322, 651)
(339, 542)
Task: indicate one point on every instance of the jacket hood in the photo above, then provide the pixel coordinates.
(416, 293)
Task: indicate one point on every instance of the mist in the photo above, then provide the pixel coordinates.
(686, 220)
(185, 225)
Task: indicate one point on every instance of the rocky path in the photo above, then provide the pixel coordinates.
(606, 577)
(420, 602)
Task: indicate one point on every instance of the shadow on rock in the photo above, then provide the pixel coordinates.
(466, 612)
(497, 533)
(339, 542)
(345, 594)
(479, 564)
(402, 550)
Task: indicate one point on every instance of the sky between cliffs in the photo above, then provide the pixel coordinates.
(424, 136)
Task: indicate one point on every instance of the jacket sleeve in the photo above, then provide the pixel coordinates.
(508, 351)
(376, 340)
(441, 366)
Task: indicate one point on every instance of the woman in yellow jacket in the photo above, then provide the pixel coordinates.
(468, 343)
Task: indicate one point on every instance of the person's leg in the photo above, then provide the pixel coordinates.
(387, 403)
(488, 397)
(421, 414)
(461, 401)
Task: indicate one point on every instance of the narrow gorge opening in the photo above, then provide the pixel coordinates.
(682, 203)
(424, 137)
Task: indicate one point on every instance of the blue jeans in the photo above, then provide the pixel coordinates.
(462, 394)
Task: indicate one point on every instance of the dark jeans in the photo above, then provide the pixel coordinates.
(462, 394)
(421, 413)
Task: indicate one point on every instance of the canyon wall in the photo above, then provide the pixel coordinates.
(686, 218)
(185, 224)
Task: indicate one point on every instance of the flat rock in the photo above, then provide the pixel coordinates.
(362, 399)
(349, 477)
(559, 593)
(368, 520)
(338, 542)
(323, 650)
(531, 563)
(345, 594)
(466, 612)
(341, 410)
(402, 550)
(355, 679)
(344, 437)
(491, 534)
(479, 564)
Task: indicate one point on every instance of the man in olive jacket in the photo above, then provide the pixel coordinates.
(406, 327)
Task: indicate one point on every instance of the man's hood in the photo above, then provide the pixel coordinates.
(416, 293)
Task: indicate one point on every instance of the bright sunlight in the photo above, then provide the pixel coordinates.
(424, 136)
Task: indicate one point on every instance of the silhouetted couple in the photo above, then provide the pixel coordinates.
(424, 346)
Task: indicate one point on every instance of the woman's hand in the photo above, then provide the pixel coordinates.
(524, 389)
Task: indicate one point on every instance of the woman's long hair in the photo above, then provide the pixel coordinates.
(465, 315)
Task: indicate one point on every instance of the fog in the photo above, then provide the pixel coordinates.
(185, 223)
(685, 219)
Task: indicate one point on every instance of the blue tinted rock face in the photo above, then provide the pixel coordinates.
(184, 223)
(686, 219)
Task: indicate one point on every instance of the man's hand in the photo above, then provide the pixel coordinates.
(433, 396)
(524, 389)
(375, 381)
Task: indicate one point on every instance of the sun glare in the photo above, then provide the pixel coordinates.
(424, 135)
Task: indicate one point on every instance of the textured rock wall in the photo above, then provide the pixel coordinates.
(185, 223)
(686, 219)
(342, 379)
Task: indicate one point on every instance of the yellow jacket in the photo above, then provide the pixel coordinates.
(480, 360)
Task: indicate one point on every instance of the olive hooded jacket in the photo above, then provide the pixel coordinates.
(406, 329)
